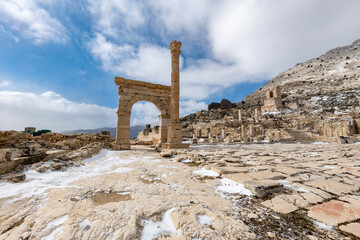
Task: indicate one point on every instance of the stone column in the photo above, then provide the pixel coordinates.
(223, 133)
(244, 132)
(256, 115)
(240, 115)
(251, 131)
(123, 127)
(163, 126)
(175, 127)
(175, 80)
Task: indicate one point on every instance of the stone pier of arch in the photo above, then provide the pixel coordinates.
(164, 97)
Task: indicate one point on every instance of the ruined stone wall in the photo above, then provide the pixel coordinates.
(19, 149)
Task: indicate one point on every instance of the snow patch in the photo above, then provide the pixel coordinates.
(230, 186)
(85, 225)
(204, 220)
(55, 224)
(186, 161)
(288, 185)
(152, 229)
(330, 167)
(206, 173)
(322, 225)
(320, 143)
(37, 183)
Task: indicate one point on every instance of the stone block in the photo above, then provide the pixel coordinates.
(279, 205)
(352, 228)
(16, 178)
(262, 188)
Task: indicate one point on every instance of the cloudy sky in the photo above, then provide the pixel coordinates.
(58, 58)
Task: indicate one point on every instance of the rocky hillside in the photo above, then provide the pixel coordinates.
(336, 72)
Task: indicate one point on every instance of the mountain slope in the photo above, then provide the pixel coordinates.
(336, 71)
(134, 131)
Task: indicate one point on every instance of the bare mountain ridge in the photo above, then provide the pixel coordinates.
(134, 131)
(336, 72)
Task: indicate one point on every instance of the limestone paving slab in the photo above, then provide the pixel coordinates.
(355, 200)
(266, 175)
(280, 205)
(334, 187)
(352, 228)
(312, 197)
(334, 212)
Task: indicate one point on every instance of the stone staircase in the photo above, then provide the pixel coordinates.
(299, 136)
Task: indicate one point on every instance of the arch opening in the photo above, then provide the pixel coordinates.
(145, 123)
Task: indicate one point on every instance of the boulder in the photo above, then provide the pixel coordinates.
(16, 177)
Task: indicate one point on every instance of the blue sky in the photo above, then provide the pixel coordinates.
(58, 59)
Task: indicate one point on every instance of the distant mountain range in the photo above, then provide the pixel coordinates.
(134, 131)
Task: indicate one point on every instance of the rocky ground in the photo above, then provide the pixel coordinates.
(239, 191)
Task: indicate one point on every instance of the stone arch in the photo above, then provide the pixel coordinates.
(131, 92)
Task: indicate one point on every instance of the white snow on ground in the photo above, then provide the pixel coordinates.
(206, 173)
(152, 230)
(55, 224)
(330, 167)
(85, 225)
(322, 225)
(320, 143)
(186, 161)
(37, 183)
(204, 220)
(291, 187)
(201, 145)
(230, 186)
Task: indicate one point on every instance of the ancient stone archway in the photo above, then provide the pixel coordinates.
(130, 92)
(165, 98)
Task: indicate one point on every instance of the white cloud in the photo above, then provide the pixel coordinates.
(266, 37)
(50, 110)
(28, 19)
(116, 17)
(237, 41)
(146, 113)
(191, 106)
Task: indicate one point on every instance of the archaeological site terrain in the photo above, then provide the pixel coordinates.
(284, 163)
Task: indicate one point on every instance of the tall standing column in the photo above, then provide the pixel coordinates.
(175, 80)
(175, 127)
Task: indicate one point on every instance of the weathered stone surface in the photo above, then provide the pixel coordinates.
(16, 178)
(334, 187)
(262, 188)
(165, 154)
(352, 228)
(334, 212)
(355, 200)
(297, 200)
(42, 169)
(280, 205)
(239, 177)
(312, 197)
(265, 175)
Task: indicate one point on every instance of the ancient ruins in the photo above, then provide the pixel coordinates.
(282, 164)
(165, 98)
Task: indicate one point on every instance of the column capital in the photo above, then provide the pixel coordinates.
(175, 48)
